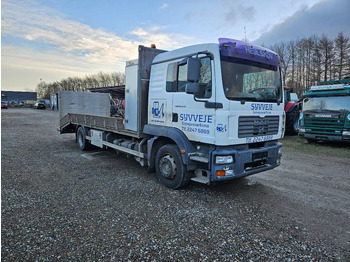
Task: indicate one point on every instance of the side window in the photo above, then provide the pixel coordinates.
(182, 78)
(171, 78)
(205, 79)
(177, 78)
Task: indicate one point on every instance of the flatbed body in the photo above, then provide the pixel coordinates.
(104, 123)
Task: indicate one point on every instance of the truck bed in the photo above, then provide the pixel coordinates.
(104, 123)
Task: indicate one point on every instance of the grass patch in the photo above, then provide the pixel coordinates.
(297, 144)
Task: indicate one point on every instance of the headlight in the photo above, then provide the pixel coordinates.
(348, 117)
(302, 115)
(223, 159)
(346, 133)
(301, 130)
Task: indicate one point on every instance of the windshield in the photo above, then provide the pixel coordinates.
(252, 83)
(333, 103)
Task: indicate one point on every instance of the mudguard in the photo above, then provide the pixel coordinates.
(174, 134)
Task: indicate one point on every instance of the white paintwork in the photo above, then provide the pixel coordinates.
(83, 103)
(205, 123)
(96, 138)
(131, 104)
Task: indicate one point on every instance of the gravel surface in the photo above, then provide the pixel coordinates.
(60, 204)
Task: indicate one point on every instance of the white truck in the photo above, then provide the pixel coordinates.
(207, 112)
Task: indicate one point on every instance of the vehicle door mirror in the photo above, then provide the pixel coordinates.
(193, 69)
(192, 88)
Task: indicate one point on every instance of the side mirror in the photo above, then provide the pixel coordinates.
(193, 69)
(192, 88)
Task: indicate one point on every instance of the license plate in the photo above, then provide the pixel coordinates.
(259, 155)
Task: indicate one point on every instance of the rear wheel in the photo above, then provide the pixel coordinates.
(83, 143)
(170, 170)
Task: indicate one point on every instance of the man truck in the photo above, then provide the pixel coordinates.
(326, 112)
(190, 113)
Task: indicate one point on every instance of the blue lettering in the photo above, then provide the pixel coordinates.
(196, 118)
(263, 107)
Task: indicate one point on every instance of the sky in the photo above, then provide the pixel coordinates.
(49, 40)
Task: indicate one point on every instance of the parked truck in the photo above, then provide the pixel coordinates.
(190, 113)
(292, 107)
(326, 112)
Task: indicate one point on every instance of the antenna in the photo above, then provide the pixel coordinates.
(245, 35)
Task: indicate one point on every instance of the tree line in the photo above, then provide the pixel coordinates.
(81, 84)
(308, 61)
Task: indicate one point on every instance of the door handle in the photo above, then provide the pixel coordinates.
(175, 117)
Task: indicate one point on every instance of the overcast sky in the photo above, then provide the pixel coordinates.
(50, 40)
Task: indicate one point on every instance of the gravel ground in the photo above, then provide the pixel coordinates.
(59, 204)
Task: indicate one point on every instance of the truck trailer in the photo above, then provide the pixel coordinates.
(190, 114)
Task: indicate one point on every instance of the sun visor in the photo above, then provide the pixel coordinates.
(246, 51)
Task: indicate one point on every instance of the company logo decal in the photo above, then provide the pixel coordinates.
(258, 108)
(158, 110)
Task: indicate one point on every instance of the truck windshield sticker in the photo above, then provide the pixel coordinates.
(257, 52)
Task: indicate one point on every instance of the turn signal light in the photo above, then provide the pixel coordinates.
(220, 173)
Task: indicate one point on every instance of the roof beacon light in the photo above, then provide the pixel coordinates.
(153, 45)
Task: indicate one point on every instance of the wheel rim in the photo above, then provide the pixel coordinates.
(167, 167)
(80, 139)
(296, 125)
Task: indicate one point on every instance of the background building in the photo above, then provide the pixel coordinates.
(16, 97)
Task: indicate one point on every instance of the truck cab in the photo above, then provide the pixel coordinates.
(224, 102)
(326, 112)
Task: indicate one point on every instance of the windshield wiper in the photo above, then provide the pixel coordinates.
(269, 100)
(243, 98)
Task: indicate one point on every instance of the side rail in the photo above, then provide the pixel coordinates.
(112, 124)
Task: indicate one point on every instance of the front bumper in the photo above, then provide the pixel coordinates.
(247, 161)
(324, 137)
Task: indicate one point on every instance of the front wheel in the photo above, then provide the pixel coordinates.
(170, 170)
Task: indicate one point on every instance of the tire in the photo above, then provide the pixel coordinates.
(170, 170)
(292, 122)
(83, 143)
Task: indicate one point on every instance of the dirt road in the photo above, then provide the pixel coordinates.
(60, 204)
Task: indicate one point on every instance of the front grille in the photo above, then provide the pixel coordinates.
(324, 126)
(249, 126)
